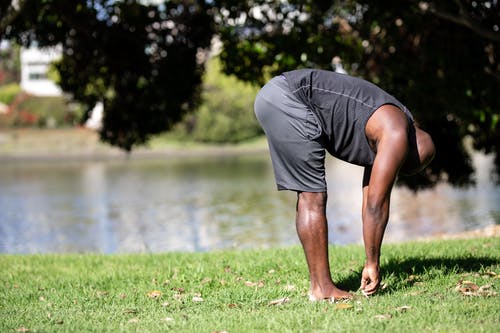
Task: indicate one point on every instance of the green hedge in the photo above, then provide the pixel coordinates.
(36, 111)
(8, 92)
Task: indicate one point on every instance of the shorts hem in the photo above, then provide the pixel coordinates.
(298, 189)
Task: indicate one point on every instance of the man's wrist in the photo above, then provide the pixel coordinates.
(372, 262)
(372, 255)
(373, 259)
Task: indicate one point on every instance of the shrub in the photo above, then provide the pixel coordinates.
(46, 112)
(8, 92)
(226, 114)
(36, 111)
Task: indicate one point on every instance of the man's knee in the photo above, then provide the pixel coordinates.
(312, 200)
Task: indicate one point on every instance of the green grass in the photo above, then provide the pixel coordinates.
(231, 291)
(73, 142)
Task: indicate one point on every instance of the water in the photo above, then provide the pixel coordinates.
(205, 203)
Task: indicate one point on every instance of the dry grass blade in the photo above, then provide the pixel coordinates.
(23, 329)
(468, 288)
(259, 284)
(279, 301)
(403, 308)
(154, 294)
(382, 316)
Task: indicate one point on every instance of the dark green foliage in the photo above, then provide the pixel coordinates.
(278, 36)
(441, 59)
(9, 65)
(140, 61)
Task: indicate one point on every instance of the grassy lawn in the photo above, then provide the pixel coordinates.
(438, 286)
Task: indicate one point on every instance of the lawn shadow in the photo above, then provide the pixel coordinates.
(405, 271)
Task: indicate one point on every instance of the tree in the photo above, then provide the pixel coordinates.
(439, 58)
(10, 66)
(139, 60)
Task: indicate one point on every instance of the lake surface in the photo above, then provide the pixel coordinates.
(206, 203)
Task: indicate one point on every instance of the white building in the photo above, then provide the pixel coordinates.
(35, 63)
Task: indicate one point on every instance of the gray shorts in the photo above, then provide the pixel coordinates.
(293, 135)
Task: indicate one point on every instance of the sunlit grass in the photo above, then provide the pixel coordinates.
(85, 142)
(169, 140)
(252, 291)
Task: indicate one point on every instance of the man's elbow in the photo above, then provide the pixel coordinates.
(421, 154)
(428, 151)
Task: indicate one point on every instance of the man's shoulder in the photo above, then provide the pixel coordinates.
(308, 76)
(301, 72)
(313, 75)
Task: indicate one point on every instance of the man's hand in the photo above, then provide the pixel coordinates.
(370, 279)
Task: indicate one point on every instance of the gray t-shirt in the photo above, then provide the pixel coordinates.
(342, 104)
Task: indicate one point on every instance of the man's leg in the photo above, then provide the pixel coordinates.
(312, 229)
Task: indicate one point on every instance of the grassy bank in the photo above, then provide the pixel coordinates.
(81, 143)
(438, 286)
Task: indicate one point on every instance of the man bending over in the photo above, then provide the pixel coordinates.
(307, 112)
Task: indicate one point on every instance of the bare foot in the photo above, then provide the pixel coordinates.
(333, 293)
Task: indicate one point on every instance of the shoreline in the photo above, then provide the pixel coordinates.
(80, 144)
(491, 231)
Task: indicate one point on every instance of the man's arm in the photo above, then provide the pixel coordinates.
(377, 185)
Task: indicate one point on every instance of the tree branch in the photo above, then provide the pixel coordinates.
(11, 13)
(462, 19)
(495, 75)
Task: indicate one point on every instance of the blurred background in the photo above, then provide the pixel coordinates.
(128, 126)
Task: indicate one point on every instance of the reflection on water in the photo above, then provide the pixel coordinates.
(201, 204)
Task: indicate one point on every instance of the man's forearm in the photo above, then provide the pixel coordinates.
(374, 223)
